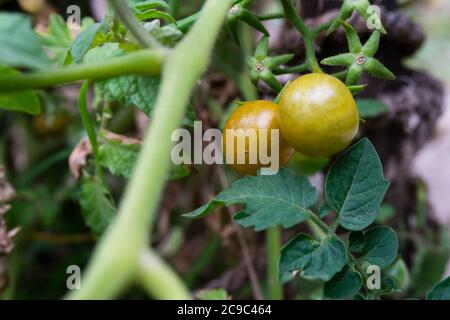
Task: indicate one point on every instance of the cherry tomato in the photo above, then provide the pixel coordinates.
(254, 115)
(318, 115)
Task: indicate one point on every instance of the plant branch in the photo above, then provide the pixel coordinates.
(115, 260)
(145, 62)
(271, 16)
(125, 14)
(322, 225)
(273, 247)
(160, 280)
(308, 35)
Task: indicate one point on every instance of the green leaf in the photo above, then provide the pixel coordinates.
(58, 38)
(378, 70)
(118, 157)
(371, 108)
(22, 101)
(84, 41)
(20, 46)
(140, 91)
(344, 284)
(356, 241)
(167, 35)
(155, 14)
(96, 204)
(281, 199)
(178, 172)
(312, 258)
(151, 4)
(343, 59)
(380, 246)
(355, 186)
(441, 291)
(430, 265)
(212, 294)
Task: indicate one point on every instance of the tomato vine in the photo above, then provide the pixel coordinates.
(340, 247)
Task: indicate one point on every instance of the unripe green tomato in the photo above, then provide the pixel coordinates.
(255, 115)
(318, 115)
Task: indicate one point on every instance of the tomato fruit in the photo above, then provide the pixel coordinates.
(254, 115)
(318, 115)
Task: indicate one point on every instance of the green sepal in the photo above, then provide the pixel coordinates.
(341, 75)
(251, 19)
(378, 70)
(269, 78)
(262, 48)
(353, 75)
(343, 59)
(357, 89)
(276, 61)
(371, 46)
(354, 43)
(233, 30)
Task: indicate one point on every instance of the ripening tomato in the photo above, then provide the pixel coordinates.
(318, 115)
(254, 115)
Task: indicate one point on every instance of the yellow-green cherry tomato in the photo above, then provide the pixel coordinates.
(318, 115)
(254, 115)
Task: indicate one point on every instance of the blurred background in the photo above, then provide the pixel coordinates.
(408, 120)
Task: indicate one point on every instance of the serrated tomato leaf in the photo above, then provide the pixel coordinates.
(344, 284)
(119, 158)
(96, 204)
(312, 258)
(380, 246)
(140, 91)
(272, 200)
(355, 186)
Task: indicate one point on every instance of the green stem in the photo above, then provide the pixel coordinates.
(115, 260)
(125, 14)
(322, 225)
(158, 279)
(87, 123)
(273, 247)
(296, 69)
(271, 16)
(145, 62)
(185, 24)
(308, 36)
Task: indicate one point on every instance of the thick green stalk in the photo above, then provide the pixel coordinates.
(115, 260)
(273, 247)
(158, 279)
(145, 62)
